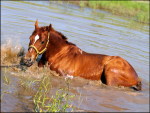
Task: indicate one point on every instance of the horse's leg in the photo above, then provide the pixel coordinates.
(42, 61)
(118, 72)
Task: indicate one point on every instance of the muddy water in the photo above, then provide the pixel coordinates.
(94, 31)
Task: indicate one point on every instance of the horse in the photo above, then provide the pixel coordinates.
(67, 59)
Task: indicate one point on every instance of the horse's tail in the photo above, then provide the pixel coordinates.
(138, 86)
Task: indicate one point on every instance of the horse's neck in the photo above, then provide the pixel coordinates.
(55, 45)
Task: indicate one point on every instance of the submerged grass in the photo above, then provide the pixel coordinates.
(55, 103)
(6, 80)
(138, 11)
(46, 98)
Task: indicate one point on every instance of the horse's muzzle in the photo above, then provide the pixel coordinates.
(27, 62)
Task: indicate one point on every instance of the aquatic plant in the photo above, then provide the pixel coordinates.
(6, 80)
(55, 103)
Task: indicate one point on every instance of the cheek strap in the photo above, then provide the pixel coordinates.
(40, 52)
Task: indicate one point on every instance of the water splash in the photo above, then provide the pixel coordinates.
(11, 54)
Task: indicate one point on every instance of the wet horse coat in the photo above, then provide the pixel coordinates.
(67, 59)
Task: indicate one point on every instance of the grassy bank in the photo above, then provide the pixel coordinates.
(138, 11)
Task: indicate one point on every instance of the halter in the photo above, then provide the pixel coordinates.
(40, 52)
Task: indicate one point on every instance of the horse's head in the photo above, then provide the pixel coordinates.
(39, 41)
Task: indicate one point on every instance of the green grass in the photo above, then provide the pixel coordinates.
(138, 11)
(56, 103)
(6, 80)
(44, 100)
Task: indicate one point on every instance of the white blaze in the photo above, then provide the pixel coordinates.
(35, 39)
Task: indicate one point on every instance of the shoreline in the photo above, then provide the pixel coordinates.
(135, 10)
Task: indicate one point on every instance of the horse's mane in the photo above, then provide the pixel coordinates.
(64, 38)
(46, 28)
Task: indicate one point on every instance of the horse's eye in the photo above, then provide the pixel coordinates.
(42, 42)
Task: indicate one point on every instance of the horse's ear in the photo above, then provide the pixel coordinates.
(50, 27)
(36, 24)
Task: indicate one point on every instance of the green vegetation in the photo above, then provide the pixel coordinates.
(43, 96)
(138, 11)
(44, 103)
(6, 80)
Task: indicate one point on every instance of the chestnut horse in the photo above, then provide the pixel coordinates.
(67, 59)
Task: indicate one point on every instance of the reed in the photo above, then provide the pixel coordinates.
(6, 80)
(55, 103)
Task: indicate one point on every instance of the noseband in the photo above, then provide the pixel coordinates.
(40, 52)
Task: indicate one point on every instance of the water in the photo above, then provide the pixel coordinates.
(93, 31)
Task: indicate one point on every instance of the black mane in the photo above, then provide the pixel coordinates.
(65, 38)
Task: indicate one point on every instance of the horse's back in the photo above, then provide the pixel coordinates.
(73, 61)
(90, 66)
